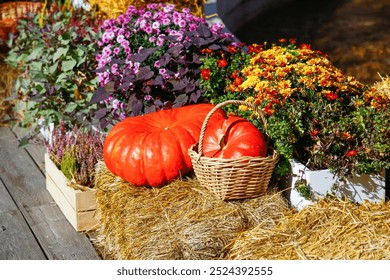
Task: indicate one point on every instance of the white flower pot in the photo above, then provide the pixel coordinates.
(47, 131)
(321, 182)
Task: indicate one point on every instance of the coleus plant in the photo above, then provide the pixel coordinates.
(55, 53)
(150, 60)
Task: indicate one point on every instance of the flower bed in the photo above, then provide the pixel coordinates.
(315, 114)
(150, 60)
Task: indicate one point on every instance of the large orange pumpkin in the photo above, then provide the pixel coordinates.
(232, 138)
(152, 150)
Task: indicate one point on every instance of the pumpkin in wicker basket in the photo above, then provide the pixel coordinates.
(233, 137)
(243, 172)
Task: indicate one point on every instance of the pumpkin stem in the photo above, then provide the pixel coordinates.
(222, 142)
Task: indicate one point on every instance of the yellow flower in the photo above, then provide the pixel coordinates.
(42, 15)
(285, 89)
(250, 82)
(261, 86)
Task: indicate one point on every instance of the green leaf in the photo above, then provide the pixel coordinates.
(11, 59)
(23, 142)
(61, 78)
(68, 65)
(65, 37)
(36, 52)
(40, 88)
(36, 66)
(53, 68)
(57, 26)
(70, 107)
(60, 52)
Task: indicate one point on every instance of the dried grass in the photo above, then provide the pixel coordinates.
(7, 79)
(114, 8)
(383, 86)
(331, 229)
(182, 220)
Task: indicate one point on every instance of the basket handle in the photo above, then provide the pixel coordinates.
(235, 102)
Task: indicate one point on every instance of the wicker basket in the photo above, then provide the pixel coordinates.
(18, 9)
(245, 177)
(10, 12)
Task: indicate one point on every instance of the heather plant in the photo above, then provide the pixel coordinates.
(76, 152)
(55, 52)
(150, 60)
(315, 113)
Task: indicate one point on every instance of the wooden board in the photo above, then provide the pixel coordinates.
(26, 185)
(15, 235)
(79, 207)
(35, 149)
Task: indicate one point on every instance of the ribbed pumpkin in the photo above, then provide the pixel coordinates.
(232, 138)
(152, 150)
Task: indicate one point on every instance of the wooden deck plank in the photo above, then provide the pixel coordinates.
(58, 235)
(25, 183)
(15, 235)
(35, 149)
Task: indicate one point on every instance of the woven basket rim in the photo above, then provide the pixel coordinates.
(272, 154)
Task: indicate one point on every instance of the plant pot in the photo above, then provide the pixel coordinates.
(47, 131)
(322, 182)
(78, 206)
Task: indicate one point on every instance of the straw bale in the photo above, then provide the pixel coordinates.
(114, 8)
(332, 229)
(181, 220)
(7, 79)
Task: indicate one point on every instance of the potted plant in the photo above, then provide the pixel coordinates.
(150, 60)
(55, 52)
(70, 169)
(317, 118)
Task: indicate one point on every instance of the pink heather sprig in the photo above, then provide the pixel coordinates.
(85, 146)
(160, 28)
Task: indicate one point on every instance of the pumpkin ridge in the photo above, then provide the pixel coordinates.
(185, 140)
(176, 160)
(133, 161)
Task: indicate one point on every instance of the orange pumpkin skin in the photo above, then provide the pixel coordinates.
(232, 138)
(152, 150)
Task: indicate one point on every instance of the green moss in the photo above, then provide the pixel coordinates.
(68, 164)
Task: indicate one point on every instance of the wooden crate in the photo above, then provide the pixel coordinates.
(79, 207)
